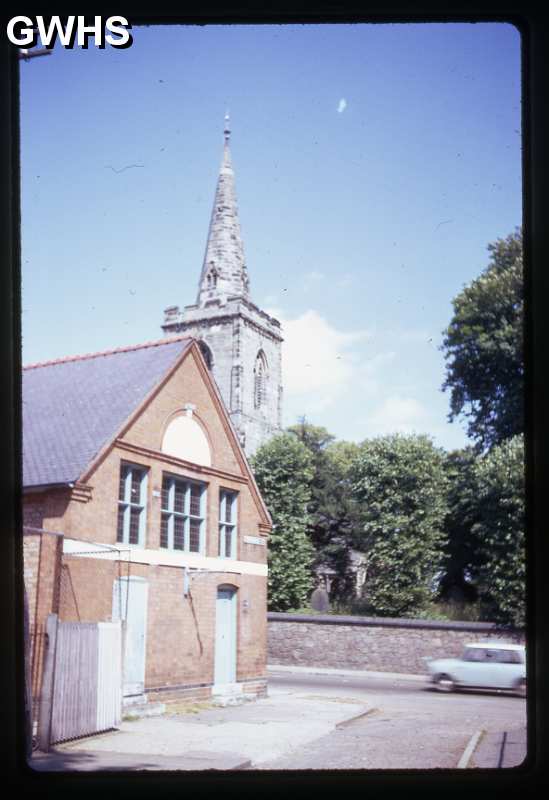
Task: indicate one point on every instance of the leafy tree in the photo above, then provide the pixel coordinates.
(333, 514)
(401, 486)
(483, 348)
(499, 532)
(314, 437)
(461, 562)
(283, 471)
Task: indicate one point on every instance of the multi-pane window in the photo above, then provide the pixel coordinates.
(132, 498)
(227, 524)
(182, 522)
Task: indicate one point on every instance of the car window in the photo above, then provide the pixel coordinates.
(493, 655)
(503, 656)
(473, 654)
(509, 657)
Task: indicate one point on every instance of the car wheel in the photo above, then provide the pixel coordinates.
(444, 683)
(521, 687)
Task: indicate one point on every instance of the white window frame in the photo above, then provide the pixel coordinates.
(126, 504)
(185, 515)
(226, 495)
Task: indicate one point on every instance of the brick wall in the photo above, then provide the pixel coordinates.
(47, 510)
(186, 385)
(180, 634)
(366, 643)
(31, 561)
(42, 554)
(96, 520)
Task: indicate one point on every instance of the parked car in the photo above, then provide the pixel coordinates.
(483, 665)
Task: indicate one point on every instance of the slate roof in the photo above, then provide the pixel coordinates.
(74, 406)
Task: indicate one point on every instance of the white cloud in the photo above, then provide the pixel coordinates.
(398, 414)
(313, 275)
(341, 380)
(345, 280)
(371, 375)
(342, 106)
(312, 278)
(318, 361)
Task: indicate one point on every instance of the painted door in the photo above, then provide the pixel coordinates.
(130, 604)
(225, 636)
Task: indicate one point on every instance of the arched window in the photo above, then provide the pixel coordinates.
(207, 354)
(260, 380)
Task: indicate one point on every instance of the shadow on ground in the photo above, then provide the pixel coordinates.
(61, 761)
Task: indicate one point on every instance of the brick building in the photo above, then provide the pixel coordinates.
(139, 505)
(240, 342)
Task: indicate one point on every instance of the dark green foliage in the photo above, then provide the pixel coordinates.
(461, 560)
(499, 532)
(333, 514)
(283, 471)
(483, 348)
(400, 484)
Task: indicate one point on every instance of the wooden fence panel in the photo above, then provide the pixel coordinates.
(87, 680)
(109, 684)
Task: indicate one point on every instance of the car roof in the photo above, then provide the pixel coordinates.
(496, 645)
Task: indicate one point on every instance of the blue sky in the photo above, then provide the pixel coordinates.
(374, 163)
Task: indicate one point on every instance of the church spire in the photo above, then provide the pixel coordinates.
(224, 272)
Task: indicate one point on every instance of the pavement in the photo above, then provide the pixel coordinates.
(504, 749)
(247, 735)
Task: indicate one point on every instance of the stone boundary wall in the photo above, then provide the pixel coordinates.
(371, 643)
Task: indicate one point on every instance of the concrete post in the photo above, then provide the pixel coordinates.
(46, 693)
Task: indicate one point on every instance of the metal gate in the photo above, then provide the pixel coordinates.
(82, 689)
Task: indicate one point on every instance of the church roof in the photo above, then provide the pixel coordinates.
(75, 406)
(224, 272)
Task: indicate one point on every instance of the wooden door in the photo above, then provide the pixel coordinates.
(225, 636)
(130, 604)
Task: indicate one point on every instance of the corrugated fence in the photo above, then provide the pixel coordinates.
(86, 682)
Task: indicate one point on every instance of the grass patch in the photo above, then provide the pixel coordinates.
(353, 701)
(452, 610)
(308, 611)
(187, 707)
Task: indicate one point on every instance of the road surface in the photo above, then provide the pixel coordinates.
(410, 727)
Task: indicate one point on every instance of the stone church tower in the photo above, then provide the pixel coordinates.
(241, 344)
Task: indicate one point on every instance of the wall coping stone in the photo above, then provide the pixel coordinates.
(388, 622)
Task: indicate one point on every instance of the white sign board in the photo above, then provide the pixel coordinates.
(254, 540)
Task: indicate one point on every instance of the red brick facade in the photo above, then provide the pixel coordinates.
(180, 630)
